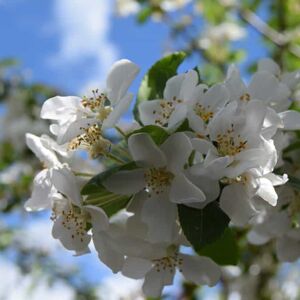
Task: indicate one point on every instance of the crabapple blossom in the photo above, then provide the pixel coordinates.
(185, 98)
(42, 185)
(235, 143)
(80, 121)
(201, 158)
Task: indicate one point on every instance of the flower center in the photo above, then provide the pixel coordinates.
(75, 221)
(97, 104)
(245, 97)
(203, 112)
(229, 143)
(165, 111)
(243, 179)
(92, 141)
(168, 263)
(158, 179)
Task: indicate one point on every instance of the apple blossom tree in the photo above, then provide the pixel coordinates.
(197, 162)
(205, 174)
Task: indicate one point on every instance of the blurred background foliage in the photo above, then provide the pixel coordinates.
(209, 31)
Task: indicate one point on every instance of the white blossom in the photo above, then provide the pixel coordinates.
(73, 115)
(159, 271)
(230, 150)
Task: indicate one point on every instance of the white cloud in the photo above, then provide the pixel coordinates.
(85, 47)
(15, 285)
(127, 288)
(36, 235)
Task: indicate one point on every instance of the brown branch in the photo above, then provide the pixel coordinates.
(280, 39)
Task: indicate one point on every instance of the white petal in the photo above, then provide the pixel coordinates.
(215, 169)
(136, 227)
(177, 116)
(276, 225)
(264, 158)
(143, 150)
(99, 218)
(200, 270)
(269, 65)
(65, 182)
(202, 146)
(74, 129)
(262, 85)
(277, 179)
(256, 111)
(216, 97)
(256, 238)
(121, 107)
(177, 149)
(173, 86)
(66, 232)
(266, 87)
(287, 249)
(291, 79)
(54, 129)
(107, 252)
(188, 86)
(51, 144)
(136, 268)
(59, 107)
(235, 202)
(82, 252)
(271, 123)
(154, 283)
(126, 182)
(210, 188)
(266, 191)
(120, 77)
(133, 246)
(43, 153)
(196, 123)
(290, 119)
(136, 204)
(234, 83)
(160, 216)
(184, 191)
(150, 111)
(41, 194)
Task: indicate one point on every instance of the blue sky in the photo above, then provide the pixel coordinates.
(54, 42)
(36, 32)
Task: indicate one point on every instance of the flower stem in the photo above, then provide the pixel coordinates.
(83, 174)
(121, 131)
(115, 158)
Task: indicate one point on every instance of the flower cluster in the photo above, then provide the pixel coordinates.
(193, 145)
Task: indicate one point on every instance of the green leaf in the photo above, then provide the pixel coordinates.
(144, 14)
(295, 106)
(236, 56)
(99, 196)
(111, 203)
(224, 251)
(158, 134)
(184, 126)
(94, 183)
(293, 146)
(154, 81)
(202, 226)
(8, 62)
(294, 182)
(213, 11)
